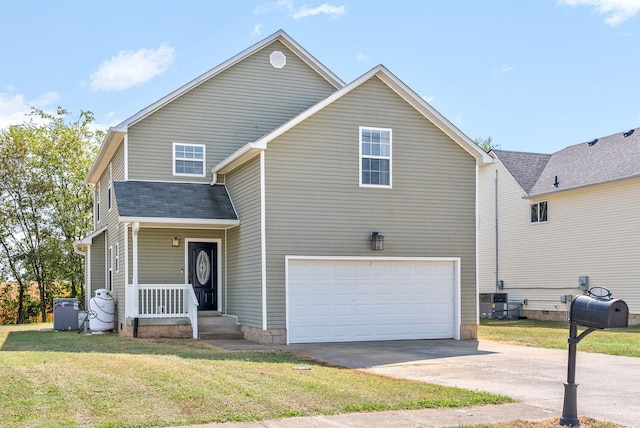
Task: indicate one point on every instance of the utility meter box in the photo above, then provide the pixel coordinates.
(599, 312)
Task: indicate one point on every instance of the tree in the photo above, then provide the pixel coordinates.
(486, 144)
(44, 204)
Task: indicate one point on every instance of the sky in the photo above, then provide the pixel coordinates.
(534, 75)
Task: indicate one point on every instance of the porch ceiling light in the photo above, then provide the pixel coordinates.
(175, 242)
(377, 241)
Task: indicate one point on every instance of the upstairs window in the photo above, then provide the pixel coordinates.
(539, 212)
(375, 157)
(188, 159)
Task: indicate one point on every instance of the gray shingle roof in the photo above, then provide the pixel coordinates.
(146, 199)
(524, 167)
(611, 158)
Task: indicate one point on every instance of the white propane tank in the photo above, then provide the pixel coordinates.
(102, 311)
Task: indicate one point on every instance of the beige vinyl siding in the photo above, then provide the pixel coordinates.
(316, 207)
(244, 245)
(590, 231)
(235, 107)
(487, 221)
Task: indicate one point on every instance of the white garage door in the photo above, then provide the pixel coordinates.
(343, 300)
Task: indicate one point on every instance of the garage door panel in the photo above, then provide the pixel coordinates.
(370, 300)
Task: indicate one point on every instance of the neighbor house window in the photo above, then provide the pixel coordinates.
(539, 212)
(375, 157)
(188, 159)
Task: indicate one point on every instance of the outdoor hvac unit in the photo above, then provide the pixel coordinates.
(494, 305)
(65, 314)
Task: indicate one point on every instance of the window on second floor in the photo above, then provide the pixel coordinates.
(375, 157)
(188, 159)
(538, 212)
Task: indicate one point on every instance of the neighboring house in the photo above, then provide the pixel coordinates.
(265, 186)
(565, 222)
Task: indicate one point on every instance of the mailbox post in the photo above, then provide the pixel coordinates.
(594, 311)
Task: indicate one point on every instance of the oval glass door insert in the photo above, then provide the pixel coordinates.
(203, 267)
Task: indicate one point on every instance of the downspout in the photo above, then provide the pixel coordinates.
(135, 229)
(496, 226)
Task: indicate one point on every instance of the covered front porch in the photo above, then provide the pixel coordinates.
(175, 256)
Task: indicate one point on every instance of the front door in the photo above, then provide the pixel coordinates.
(203, 274)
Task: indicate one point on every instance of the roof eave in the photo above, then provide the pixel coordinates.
(180, 223)
(251, 149)
(433, 115)
(105, 153)
(584, 186)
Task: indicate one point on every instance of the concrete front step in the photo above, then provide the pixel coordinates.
(213, 325)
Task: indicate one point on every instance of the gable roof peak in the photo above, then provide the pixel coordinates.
(116, 133)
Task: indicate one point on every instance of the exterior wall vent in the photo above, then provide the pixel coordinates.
(593, 143)
(629, 132)
(277, 59)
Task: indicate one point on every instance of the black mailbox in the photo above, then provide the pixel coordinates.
(599, 312)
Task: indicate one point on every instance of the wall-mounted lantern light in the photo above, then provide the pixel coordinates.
(175, 242)
(377, 241)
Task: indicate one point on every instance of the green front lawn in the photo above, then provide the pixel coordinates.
(552, 334)
(70, 379)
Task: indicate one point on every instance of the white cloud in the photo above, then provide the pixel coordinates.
(363, 57)
(505, 68)
(257, 30)
(325, 8)
(275, 5)
(302, 12)
(131, 68)
(14, 109)
(428, 98)
(617, 11)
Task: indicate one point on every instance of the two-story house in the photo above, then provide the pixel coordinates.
(552, 226)
(307, 210)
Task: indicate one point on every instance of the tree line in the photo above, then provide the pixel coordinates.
(45, 206)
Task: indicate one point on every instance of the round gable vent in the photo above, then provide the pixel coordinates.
(277, 59)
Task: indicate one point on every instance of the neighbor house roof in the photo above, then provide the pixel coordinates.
(602, 160)
(524, 167)
(179, 204)
(251, 149)
(116, 133)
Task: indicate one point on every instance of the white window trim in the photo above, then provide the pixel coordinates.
(390, 157)
(538, 205)
(204, 160)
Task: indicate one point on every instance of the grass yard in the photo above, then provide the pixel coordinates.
(66, 379)
(553, 334)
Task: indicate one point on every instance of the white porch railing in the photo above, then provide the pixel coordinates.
(163, 301)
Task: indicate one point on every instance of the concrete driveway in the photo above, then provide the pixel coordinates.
(609, 386)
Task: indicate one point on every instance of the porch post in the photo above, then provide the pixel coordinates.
(135, 229)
